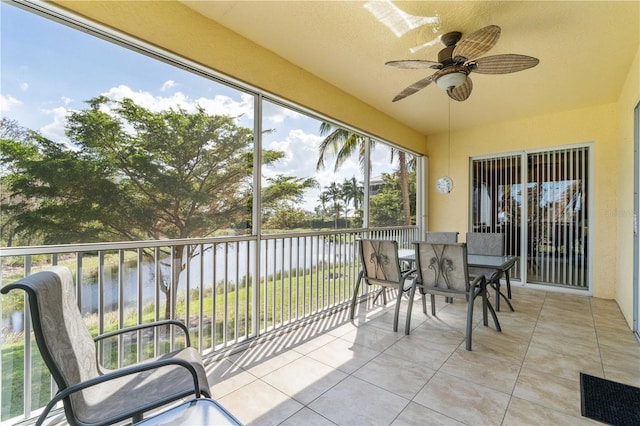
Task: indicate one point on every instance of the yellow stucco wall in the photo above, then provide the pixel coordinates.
(629, 98)
(596, 124)
(180, 30)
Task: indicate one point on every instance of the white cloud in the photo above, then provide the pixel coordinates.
(224, 105)
(24, 86)
(55, 129)
(169, 84)
(276, 114)
(219, 105)
(8, 102)
(66, 100)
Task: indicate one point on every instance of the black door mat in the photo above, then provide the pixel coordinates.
(609, 402)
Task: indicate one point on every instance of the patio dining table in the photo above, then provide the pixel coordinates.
(499, 263)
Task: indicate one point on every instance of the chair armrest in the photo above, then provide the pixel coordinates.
(408, 273)
(180, 324)
(479, 280)
(138, 368)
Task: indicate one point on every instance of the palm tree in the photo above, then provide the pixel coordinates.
(352, 192)
(335, 194)
(324, 199)
(342, 143)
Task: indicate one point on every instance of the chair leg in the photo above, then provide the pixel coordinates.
(469, 319)
(424, 303)
(433, 305)
(485, 303)
(407, 323)
(355, 295)
(397, 313)
(499, 294)
(495, 317)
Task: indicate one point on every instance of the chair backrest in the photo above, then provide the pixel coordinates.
(62, 336)
(491, 243)
(437, 237)
(380, 261)
(442, 267)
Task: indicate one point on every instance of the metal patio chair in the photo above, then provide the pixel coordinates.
(92, 394)
(380, 266)
(442, 270)
(439, 237)
(492, 244)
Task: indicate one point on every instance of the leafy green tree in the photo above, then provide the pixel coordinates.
(287, 217)
(281, 196)
(10, 130)
(135, 174)
(386, 206)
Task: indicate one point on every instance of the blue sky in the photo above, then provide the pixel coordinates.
(48, 69)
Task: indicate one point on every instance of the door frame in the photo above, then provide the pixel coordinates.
(636, 212)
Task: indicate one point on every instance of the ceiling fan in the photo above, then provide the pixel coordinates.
(457, 61)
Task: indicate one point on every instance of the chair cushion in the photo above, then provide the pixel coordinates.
(147, 389)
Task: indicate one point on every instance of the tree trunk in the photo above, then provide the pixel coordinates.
(171, 281)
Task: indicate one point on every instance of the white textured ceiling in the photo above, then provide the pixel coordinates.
(585, 51)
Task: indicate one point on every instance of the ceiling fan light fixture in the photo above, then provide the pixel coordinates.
(453, 79)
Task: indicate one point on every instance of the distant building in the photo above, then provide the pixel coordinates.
(375, 185)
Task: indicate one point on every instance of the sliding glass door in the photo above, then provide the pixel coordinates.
(539, 201)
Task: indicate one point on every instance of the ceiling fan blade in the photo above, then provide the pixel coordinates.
(503, 64)
(416, 64)
(418, 85)
(462, 92)
(476, 44)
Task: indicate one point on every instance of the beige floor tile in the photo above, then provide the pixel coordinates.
(263, 360)
(398, 375)
(361, 372)
(225, 377)
(418, 351)
(626, 375)
(373, 337)
(621, 357)
(583, 332)
(549, 391)
(462, 400)
(524, 413)
(260, 404)
(385, 321)
(304, 379)
(490, 344)
(307, 417)
(343, 355)
(356, 402)
(566, 345)
(416, 414)
(484, 370)
(312, 344)
(561, 365)
(435, 332)
(624, 341)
